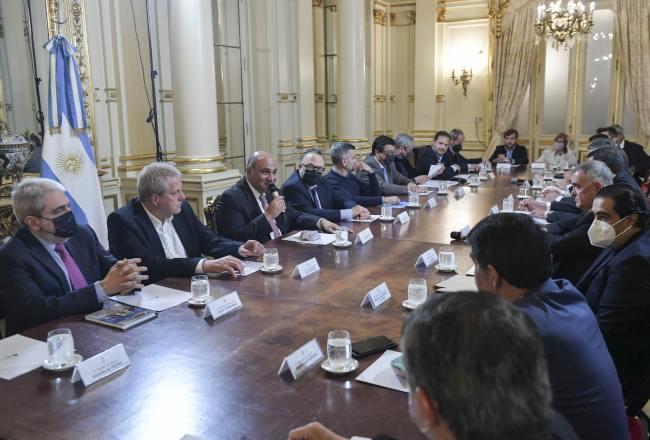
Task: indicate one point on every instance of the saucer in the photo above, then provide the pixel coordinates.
(343, 244)
(446, 268)
(409, 305)
(471, 185)
(537, 187)
(76, 358)
(353, 365)
(443, 193)
(520, 197)
(199, 303)
(386, 219)
(271, 271)
(414, 206)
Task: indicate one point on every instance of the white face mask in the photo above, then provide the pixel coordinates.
(602, 234)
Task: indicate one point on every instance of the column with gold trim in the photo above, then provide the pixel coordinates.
(425, 72)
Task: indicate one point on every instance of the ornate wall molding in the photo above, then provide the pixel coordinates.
(379, 16)
(441, 15)
(166, 95)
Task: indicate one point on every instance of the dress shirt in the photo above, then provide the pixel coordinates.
(49, 246)
(171, 242)
(346, 214)
(509, 152)
(257, 196)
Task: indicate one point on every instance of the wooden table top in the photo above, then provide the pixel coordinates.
(218, 379)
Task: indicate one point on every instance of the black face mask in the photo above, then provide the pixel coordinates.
(457, 148)
(311, 177)
(65, 225)
(389, 158)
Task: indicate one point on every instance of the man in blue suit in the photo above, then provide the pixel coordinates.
(307, 191)
(513, 261)
(54, 267)
(617, 285)
(160, 227)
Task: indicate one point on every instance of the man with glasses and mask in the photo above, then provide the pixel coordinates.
(617, 285)
(53, 267)
(457, 138)
(382, 161)
(307, 191)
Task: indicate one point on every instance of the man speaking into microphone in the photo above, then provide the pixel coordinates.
(253, 209)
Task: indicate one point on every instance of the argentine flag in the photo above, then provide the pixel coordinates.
(67, 154)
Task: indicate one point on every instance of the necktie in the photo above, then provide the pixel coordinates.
(77, 279)
(385, 175)
(314, 198)
(274, 226)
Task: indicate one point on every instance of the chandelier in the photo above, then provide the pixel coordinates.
(563, 25)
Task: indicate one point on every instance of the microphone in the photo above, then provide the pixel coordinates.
(459, 235)
(275, 193)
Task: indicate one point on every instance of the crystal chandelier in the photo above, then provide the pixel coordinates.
(563, 25)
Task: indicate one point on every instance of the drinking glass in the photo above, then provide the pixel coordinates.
(271, 260)
(341, 235)
(60, 347)
(442, 188)
(447, 256)
(537, 181)
(386, 211)
(417, 291)
(474, 181)
(523, 192)
(339, 348)
(508, 205)
(200, 288)
(414, 199)
(548, 175)
(482, 175)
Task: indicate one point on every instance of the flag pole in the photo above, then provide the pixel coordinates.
(153, 112)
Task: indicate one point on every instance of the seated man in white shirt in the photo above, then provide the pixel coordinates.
(161, 228)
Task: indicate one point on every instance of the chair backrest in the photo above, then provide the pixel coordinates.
(209, 213)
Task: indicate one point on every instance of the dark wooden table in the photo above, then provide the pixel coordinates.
(218, 379)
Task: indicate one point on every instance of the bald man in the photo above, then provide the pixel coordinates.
(248, 211)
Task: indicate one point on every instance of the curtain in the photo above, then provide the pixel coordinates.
(633, 30)
(513, 65)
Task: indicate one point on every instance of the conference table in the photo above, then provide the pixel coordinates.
(217, 379)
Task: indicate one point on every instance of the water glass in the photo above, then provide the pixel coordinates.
(417, 291)
(442, 188)
(271, 259)
(341, 235)
(523, 192)
(482, 175)
(447, 257)
(537, 181)
(200, 288)
(60, 347)
(548, 175)
(339, 348)
(386, 211)
(414, 199)
(508, 205)
(475, 181)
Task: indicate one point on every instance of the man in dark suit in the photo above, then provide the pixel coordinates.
(54, 267)
(510, 152)
(403, 148)
(248, 211)
(639, 161)
(382, 161)
(307, 191)
(456, 140)
(617, 285)
(160, 227)
(513, 261)
(437, 154)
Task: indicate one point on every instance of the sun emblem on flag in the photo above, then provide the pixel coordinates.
(71, 163)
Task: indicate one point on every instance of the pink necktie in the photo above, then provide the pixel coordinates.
(77, 279)
(276, 230)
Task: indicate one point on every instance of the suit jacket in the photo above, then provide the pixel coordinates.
(238, 216)
(462, 161)
(580, 369)
(519, 155)
(637, 157)
(351, 187)
(405, 168)
(298, 195)
(427, 156)
(395, 185)
(131, 234)
(617, 288)
(570, 246)
(35, 290)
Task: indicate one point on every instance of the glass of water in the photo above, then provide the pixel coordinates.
(386, 210)
(548, 175)
(508, 205)
(200, 288)
(474, 181)
(482, 175)
(442, 188)
(414, 199)
(341, 235)
(523, 192)
(417, 291)
(60, 347)
(447, 257)
(339, 348)
(271, 259)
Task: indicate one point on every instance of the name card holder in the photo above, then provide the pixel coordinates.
(465, 231)
(427, 258)
(403, 218)
(364, 236)
(431, 203)
(101, 365)
(222, 306)
(538, 166)
(376, 296)
(494, 210)
(302, 359)
(504, 166)
(305, 269)
(460, 193)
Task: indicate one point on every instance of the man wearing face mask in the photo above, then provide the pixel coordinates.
(505, 392)
(617, 285)
(53, 267)
(307, 191)
(382, 161)
(438, 154)
(456, 140)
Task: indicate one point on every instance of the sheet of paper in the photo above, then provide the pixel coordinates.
(155, 297)
(433, 169)
(424, 193)
(399, 205)
(463, 176)
(19, 355)
(366, 220)
(381, 373)
(540, 221)
(470, 271)
(436, 183)
(457, 283)
(251, 267)
(322, 241)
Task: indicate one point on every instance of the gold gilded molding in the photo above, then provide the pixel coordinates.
(411, 98)
(317, 3)
(441, 15)
(137, 157)
(166, 95)
(285, 144)
(410, 15)
(393, 18)
(203, 170)
(198, 159)
(350, 139)
(307, 139)
(380, 98)
(331, 8)
(440, 98)
(496, 13)
(319, 97)
(379, 16)
(392, 99)
(111, 95)
(287, 97)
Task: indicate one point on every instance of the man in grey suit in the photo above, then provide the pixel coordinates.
(382, 160)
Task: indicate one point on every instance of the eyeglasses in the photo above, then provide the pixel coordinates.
(309, 167)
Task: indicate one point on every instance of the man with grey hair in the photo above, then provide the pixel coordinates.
(160, 227)
(403, 148)
(343, 179)
(54, 267)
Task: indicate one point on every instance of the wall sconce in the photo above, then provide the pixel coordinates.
(464, 79)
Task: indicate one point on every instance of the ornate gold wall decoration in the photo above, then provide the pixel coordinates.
(380, 16)
(496, 13)
(111, 95)
(410, 15)
(287, 97)
(393, 99)
(166, 95)
(380, 98)
(440, 98)
(411, 98)
(441, 15)
(317, 3)
(319, 97)
(393, 18)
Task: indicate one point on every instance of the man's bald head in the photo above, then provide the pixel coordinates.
(261, 170)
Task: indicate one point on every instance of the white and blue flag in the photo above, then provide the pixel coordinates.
(67, 154)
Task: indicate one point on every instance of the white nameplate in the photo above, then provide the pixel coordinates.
(504, 166)
(494, 210)
(538, 166)
(302, 359)
(427, 258)
(222, 306)
(465, 231)
(101, 365)
(364, 236)
(460, 192)
(431, 203)
(303, 270)
(403, 218)
(376, 296)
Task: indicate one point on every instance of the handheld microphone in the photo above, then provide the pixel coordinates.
(457, 235)
(275, 192)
